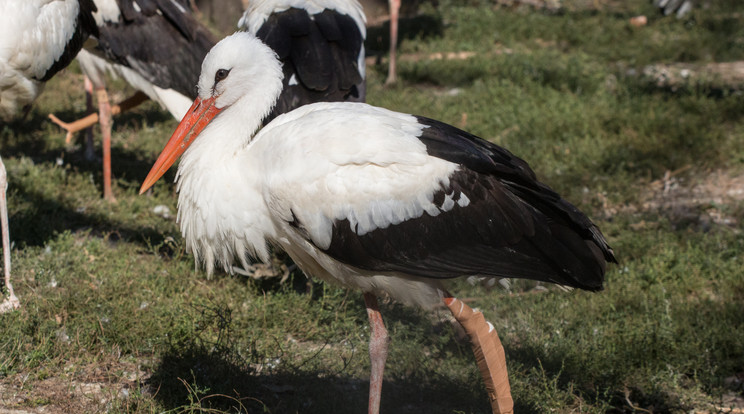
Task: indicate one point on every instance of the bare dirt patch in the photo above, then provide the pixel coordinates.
(88, 390)
(700, 200)
(727, 75)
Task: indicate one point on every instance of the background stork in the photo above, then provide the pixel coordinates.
(678, 7)
(392, 77)
(157, 46)
(384, 202)
(37, 39)
(320, 45)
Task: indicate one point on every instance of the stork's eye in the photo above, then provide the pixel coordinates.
(221, 74)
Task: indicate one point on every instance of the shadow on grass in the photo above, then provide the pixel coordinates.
(219, 381)
(221, 374)
(26, 138)
(48, 217)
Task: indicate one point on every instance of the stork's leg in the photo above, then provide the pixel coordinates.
(378, 349)
(394, 9)
(92, 119)
(90, 153)
(104, 118)
(489, 354)
(11, 302)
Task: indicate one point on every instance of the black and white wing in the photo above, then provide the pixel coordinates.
(320, 45)
(678, 7)
(159, 39)
(410, 195)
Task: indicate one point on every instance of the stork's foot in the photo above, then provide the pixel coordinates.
(10, 303)
(75, 126)
(489, 354)
(264, 271)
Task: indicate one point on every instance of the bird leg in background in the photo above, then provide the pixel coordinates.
(92, 119)
(378, 349)
(489, 354)
(104, 117)
(11, 302)
(394, 9)
(90, 153)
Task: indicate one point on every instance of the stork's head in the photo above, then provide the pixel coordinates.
(240, 74)
(237, 66)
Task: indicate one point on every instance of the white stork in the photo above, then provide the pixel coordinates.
(38, 38)
(157, 46)
(320, 44)
(384, 202)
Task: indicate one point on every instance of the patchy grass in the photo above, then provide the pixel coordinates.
(115, 317)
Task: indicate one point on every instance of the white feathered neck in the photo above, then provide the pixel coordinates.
(216, 179)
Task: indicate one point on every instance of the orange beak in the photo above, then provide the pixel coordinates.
(196, 118)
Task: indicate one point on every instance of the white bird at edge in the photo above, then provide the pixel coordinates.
(363, 197)
(38, 38)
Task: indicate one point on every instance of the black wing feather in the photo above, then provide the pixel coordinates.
(319, 52)
(184, 22)
(276, 36)
(312, 60)
(512, 226)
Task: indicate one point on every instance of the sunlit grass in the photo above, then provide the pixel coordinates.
(111, 297)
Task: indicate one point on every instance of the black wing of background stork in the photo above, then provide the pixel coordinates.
(320, 56)
(159, 40)
(530, 231)
(155, 45)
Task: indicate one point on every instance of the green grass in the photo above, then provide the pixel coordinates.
(111, 298)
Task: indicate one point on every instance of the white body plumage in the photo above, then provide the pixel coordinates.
(233, 201)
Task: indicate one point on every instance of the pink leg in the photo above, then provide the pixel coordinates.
(11, 302)
(394, 9)
(90, 153)
(489, 354)
(104, 110)
(378, 347)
